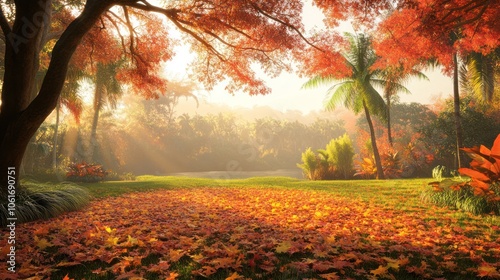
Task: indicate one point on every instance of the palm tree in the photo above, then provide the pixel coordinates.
(394, 78)
(107, 91)
(477, 75)
(71, 100)
(356, 91)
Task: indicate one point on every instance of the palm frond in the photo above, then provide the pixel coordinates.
(375, 102)
(481, 76)
(338, 94)
(318, 81)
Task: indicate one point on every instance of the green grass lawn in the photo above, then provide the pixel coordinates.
(262, 228)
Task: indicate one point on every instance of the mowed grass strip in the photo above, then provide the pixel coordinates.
(260, 228)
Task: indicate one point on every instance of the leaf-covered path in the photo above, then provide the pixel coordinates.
(253, 233)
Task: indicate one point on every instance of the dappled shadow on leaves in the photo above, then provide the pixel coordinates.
(257, 233)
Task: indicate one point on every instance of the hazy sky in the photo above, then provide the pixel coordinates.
(286, 89)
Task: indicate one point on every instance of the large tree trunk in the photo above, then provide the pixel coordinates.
(376, 155)
(456, 106)
(20, 114)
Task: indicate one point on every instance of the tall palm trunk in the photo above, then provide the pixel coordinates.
(54, 139)
(456, 105)
(389, 132)
(98, 96)
(378, 162)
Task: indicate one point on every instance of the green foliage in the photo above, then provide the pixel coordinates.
(35, 201)
(481, 194)
(335, 162)
(309, 164)
(446, 194)
(340, 153)
(438, 172)
(439, 134)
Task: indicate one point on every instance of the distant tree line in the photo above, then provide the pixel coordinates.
(151, 139)
(152, 142)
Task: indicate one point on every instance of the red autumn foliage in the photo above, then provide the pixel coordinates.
(227, 229)
(484, 169)
(84, 172)
(420, 30)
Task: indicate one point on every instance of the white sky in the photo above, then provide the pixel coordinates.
(286, 89)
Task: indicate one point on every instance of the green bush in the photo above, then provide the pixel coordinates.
(37, 201)
(446, 194)
(309, 164)
(340, 154)
(334, 162)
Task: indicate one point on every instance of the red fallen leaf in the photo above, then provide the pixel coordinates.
(129, 276)
(330, 276)
(159, 267)
(337, 264)
(175, 255)
(67, 278)
(205, 271)
(44, 230)
(268, 267)
(323, 266)
(223, 262)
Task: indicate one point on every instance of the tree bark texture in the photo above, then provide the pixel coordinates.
(376, 155)
(21, 114)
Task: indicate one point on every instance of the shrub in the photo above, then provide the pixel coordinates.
(481, 193)
(484, 171)
(446, 194)
(340, 155)
(391, 164)
(84, 172)
(309, 164)
(335, 162)
(438, 172)
(37, 201)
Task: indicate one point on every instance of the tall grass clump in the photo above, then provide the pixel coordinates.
(36, 201)
(447, 194)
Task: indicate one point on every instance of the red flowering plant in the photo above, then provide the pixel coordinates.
(481, 192)
(84, 172)
(484, 171)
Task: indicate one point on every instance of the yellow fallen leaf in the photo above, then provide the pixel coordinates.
(234, 276)
(381, 270)
(42, 243)
(283, 247)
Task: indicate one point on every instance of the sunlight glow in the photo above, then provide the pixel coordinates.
(286, 88)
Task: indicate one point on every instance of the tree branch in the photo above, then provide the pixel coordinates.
(287, 25)
(122, 39)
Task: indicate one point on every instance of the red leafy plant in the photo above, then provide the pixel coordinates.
(85, 172)
(484, 171)
(481, 193)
